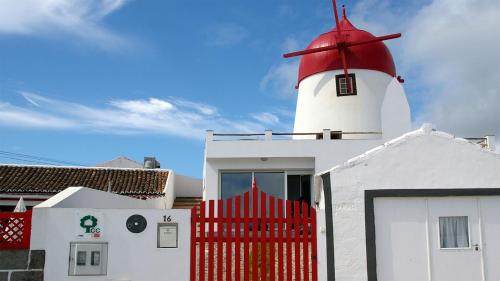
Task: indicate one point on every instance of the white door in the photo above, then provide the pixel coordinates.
(490, 221)
(401, 239)
(455, 239)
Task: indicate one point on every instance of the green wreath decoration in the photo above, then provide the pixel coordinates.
(88, 227)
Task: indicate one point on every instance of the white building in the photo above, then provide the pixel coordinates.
(423, 206)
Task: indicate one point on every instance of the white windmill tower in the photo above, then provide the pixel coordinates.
(347, 83)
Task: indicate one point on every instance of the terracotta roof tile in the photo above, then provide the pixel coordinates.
(52, 179)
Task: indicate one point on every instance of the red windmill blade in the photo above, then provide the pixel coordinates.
(342, 44)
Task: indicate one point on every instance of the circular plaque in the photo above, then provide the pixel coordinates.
(136, 223)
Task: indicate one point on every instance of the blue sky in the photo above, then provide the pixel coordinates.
(86, 81)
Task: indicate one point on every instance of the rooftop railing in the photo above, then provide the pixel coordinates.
(270, 135)
(487, 142)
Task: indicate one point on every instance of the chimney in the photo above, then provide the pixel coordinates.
(151, 163)
(490, 142)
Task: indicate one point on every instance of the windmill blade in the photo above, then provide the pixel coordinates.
(376, 39)
(346, 72)
(310, 51)
(336, 13)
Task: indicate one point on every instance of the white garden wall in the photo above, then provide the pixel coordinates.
(130, 256)
(56, 223)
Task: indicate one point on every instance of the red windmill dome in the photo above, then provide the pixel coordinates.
(345, 47)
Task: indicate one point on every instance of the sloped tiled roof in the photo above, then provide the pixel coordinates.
(52, 179)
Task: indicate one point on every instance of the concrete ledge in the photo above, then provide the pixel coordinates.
(26, 276)
(14, 259)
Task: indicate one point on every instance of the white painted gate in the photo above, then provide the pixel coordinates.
(408, 242)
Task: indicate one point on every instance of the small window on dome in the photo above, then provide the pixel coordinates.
(342, 85)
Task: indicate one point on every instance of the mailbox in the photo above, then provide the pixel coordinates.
(88, 258)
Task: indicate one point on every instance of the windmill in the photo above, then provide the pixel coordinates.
(342, 44)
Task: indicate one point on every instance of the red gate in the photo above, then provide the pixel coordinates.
(15, 230)
(274, 241)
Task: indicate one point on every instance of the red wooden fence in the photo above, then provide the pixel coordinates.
(15, 230)
(275, 240)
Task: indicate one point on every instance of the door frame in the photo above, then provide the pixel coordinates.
(370, 195)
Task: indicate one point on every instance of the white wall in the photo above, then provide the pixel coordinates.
(314, 155)
(188, 187)
(169, 190)
(83, 197)
(319, 107)
(321, 243)
(423, 159)
(396, 116)
(130, 256)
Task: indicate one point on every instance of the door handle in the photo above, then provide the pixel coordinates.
(476, 247)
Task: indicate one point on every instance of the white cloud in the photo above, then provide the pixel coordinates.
(151, 106)
(171, 116)
(225, 34)
(454, 43)
(281, 78)
(199, 107)
(266, 118)
(291, 45)
(12, 116)
(78, 18)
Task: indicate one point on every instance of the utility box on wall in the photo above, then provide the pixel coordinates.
(88, 258)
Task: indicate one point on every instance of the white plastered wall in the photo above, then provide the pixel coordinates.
(423, 159)
(305, 155)
(169, 190)
(396, 116)
(319, 107)
(188, 187)
(130, 256)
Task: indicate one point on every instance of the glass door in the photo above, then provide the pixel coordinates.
(299, 188)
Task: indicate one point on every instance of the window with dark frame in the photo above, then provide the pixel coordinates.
(342, 85)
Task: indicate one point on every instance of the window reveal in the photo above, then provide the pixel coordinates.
(342, 85)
